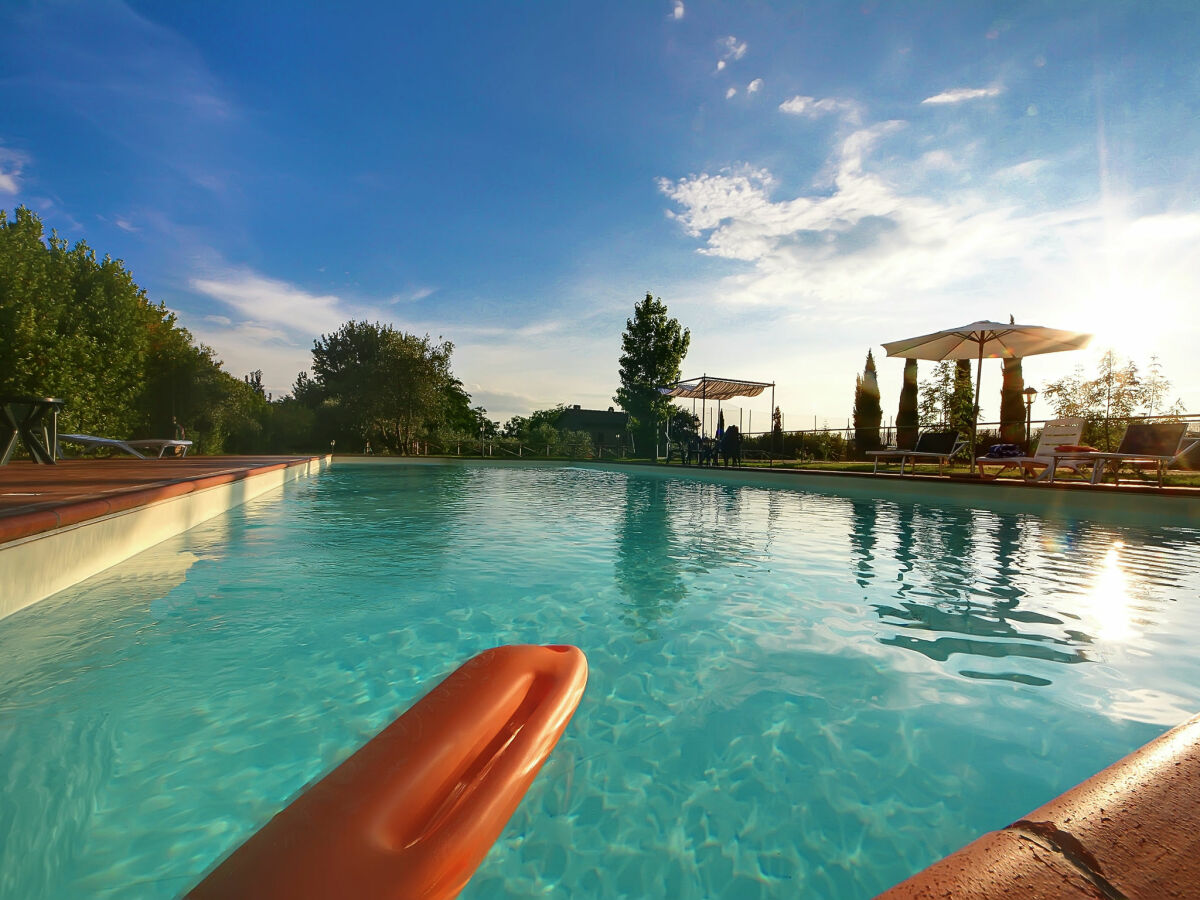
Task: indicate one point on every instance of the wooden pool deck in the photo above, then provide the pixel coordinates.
(36, 498)
(63, 523)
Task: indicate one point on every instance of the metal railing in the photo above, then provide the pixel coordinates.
(837, 444)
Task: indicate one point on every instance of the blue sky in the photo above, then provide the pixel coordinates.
(798, 181)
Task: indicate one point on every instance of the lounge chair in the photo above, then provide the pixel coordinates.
(1146, 446)
(130, 447)
(932, 446)
(1055, 434)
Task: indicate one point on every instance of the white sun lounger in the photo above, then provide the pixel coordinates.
(162, 445)
(1056, 433)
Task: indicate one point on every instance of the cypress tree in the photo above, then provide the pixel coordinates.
(906, 415)
(1012, 406)
(962, 404)
(868, 413)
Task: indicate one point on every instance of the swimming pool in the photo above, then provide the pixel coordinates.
(790, 691)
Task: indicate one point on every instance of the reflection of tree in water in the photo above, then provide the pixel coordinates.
(863, 516)
(424, 522)
(946, 588)
(648, 568)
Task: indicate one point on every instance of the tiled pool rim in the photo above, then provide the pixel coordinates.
(1128, 831)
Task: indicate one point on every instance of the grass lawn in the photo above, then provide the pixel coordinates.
(1175, 478)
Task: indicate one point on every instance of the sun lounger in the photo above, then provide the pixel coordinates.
(932, 446)
(1057, 433)
(1147, 446)
(130, 447)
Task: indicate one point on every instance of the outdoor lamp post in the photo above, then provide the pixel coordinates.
(1030, 393)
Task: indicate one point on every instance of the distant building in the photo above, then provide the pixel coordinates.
(609, 428)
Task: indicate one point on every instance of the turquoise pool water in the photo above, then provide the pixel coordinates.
(791, 693)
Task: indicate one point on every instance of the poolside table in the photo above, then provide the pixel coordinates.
(26, 418)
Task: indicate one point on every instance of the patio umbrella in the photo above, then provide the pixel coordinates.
(991, 339)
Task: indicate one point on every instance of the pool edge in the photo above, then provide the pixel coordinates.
(76, 540)
(1128, 831)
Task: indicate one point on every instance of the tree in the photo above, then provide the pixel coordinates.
(776, 430)
(652, 351)
(1111, 398)
(384, 385)
(1012, 403)
(937, 393)
(906, 415)
(79, 327)
(962, 401)
(868, 413)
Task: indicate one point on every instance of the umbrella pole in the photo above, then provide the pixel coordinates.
(975, 409)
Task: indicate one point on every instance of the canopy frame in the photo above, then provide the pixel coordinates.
(709, 387)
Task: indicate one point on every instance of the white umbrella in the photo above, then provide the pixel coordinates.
(991, 339)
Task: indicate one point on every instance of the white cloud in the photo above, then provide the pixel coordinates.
(958, 95)
(677, 11)
(811, 108)
(732, 92)
(412, 296)
(860, 243)
(12, 164)
(755, 86)
(266, 300)
(734, 49)
(124, 224)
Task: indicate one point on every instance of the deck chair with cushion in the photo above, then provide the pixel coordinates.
(1055, 434)
(1144, 445)
(932, 446)
(133, 448)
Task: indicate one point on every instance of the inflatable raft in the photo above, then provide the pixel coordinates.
(414, 812)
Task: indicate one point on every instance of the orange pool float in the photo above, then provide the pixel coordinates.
(414, 812)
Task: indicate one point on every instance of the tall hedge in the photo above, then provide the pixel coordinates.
(906, 415)
(1012, 403)
(868, 413)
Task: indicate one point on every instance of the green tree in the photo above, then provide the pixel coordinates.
(652, 351)
(1107, 401)
(962, 400)
(383, 385)
(1012, 403)
(79, 327)
(868, 413)
(937, 392)
(907, 419)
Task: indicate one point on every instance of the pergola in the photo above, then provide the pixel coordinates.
(710, 387)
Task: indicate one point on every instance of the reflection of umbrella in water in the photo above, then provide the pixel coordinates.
(991, 339)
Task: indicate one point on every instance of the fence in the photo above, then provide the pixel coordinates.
(834, 444)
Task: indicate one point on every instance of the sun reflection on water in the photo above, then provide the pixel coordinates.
(1110, 598)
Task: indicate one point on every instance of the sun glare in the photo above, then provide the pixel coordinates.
(1109, 598)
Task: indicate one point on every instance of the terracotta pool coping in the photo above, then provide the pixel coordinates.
(35, 499)
(1128, 831)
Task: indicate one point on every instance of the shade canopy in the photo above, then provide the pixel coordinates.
(993, 340)
(708, 387)
(990, 340)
